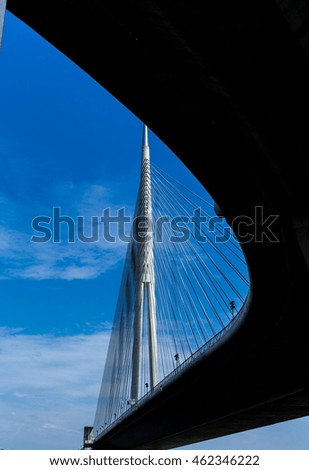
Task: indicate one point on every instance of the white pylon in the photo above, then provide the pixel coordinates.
(145, 280)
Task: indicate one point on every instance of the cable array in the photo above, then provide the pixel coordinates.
(200, 282)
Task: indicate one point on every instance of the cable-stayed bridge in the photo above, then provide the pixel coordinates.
(184, 284)
(225, 86)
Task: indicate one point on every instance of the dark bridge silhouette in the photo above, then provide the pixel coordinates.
(226, 88)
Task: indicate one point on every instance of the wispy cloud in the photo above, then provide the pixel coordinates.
(49, 388)
(21, 258)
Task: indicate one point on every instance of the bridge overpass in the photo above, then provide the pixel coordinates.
(231, 79)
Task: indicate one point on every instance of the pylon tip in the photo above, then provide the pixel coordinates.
(145, 135)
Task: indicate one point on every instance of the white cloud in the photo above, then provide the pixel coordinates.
(25, 259)
(49, 388)
(50, 426)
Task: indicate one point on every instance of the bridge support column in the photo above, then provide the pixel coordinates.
(152, 335)
(145, 282)
(137, 344)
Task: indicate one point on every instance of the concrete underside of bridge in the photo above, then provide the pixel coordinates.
(226, 86)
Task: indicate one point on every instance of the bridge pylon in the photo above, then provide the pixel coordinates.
(145, 282)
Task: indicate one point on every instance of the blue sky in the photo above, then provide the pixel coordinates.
(65, 142)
